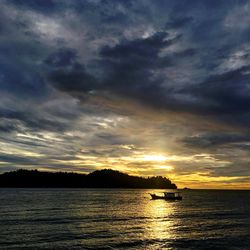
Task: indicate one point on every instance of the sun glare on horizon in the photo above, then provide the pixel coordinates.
(154, 158)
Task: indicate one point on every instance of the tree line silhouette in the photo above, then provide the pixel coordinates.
(105, 178)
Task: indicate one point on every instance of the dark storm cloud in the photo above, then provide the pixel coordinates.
(147, 48)
(112, 139)
(130, 65)
(32, 121)
(67, 74)
(22, 142)
(127, 70)
(179, 22)
(19, 53)
(38, 5)
(225, 93)
(215, 139)
(63, 57)
(75, 81)
(6, 126)
(16, 159)
(242, 169)
(21, 80)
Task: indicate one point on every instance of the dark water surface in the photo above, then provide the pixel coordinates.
(123, 219)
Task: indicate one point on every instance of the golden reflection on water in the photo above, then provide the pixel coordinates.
(160, 224)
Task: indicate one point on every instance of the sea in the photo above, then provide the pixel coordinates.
(123, 219)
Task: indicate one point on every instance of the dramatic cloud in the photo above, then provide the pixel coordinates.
(146, 87)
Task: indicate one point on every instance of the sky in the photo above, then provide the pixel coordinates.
(146, 87)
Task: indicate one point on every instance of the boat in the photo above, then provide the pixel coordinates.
(167, 196)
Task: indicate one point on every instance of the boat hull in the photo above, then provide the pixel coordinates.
(157, 197)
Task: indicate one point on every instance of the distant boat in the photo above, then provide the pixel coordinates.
(167, 196)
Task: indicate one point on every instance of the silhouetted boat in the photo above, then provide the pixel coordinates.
(167, 196)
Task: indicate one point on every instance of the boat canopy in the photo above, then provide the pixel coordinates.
(172, 194)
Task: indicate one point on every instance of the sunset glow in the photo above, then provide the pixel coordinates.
(154, 158)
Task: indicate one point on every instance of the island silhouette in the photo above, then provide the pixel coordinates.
(106, 178)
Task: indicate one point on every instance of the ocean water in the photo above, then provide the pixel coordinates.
(123, 219)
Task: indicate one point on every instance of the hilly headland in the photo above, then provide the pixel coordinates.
(105, 178)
